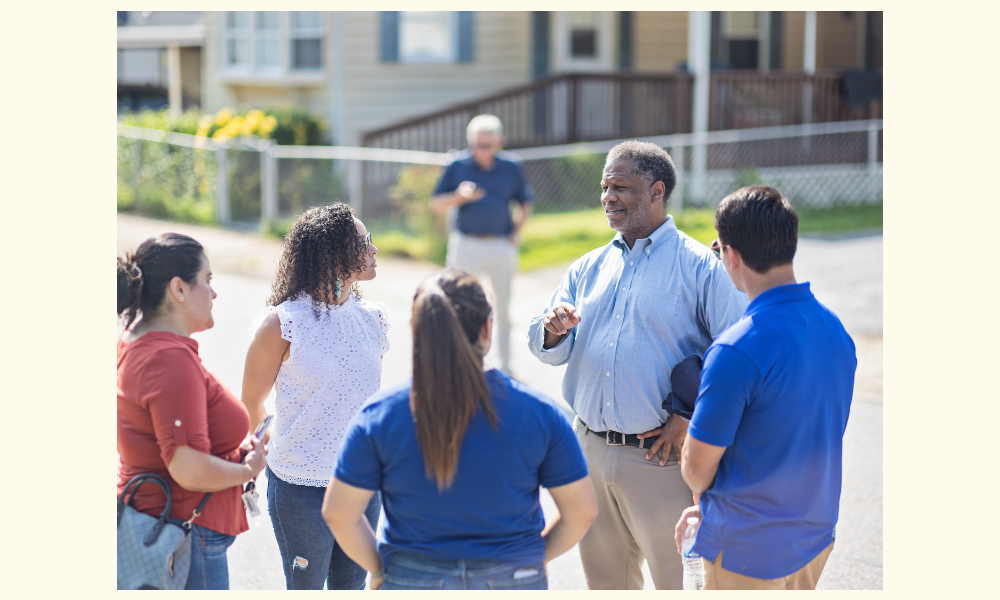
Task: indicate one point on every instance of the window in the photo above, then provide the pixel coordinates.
(743, 31)
(271, 43)
(237, 39)
(583, 34)
(427, 36)
(307, 40)
(268, 40)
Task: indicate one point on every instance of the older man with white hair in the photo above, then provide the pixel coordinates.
(482, 184)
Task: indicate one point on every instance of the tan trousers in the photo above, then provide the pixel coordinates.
(497, 259)
(638, 504)
(717, 578)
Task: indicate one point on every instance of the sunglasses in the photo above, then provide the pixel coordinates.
(368, 242)
(716, 247)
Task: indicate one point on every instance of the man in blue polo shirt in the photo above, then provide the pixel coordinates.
(764, 447)
(481, 184)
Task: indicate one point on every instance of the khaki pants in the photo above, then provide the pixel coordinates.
(717, 578)
(638, 504)
(497, 259)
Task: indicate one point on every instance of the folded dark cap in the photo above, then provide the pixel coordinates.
(684, 381)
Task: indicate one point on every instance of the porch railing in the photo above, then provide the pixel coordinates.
(572, 108)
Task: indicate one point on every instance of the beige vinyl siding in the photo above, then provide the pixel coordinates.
(660, 40)
(379, 94)
(793, 43)
(837, 40)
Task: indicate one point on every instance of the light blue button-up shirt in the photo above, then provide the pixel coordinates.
(641, 311)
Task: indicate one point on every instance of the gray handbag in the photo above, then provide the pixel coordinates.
(153, 553)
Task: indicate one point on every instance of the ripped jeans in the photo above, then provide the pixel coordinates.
(310, 556)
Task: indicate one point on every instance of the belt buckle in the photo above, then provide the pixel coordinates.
(612, 440)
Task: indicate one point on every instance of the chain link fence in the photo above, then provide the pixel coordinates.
(178, 176)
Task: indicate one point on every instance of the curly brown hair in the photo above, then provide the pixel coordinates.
(322, 247)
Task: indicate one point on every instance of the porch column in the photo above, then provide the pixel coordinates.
(174, 78)
(699, 54)
(809, 65)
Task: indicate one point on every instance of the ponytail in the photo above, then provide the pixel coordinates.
(129, 288)
(449, 386)
(143, 276)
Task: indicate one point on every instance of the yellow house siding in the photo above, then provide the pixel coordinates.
(660, 40)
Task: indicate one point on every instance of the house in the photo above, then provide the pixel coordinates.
(159, 59)
(366, 71)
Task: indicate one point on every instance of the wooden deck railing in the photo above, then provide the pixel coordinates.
(587, 107)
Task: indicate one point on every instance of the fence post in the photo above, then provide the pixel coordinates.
(355, 186)
(699, 58)
(268, 185)
(873, 160)
(222, 185)
(677, 154)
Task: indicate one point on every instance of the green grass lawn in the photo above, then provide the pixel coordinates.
(553, 239)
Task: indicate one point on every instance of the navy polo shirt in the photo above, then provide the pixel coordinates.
(776, 391)
(492, 509)
(490, 215)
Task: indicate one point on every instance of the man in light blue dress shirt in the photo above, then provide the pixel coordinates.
(622, 317)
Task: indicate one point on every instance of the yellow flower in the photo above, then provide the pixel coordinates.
(223, 116)
(268, 125)
(252, 121)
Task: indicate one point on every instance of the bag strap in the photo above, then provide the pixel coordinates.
(197, 511)
(133, 486)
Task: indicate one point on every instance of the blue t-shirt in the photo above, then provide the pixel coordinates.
(491, 509)
(490, 215)
(775, 391)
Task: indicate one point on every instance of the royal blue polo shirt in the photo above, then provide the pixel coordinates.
(776, 392)
(492, 509)
(503, 182)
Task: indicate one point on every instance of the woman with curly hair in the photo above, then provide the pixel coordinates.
(320, 346)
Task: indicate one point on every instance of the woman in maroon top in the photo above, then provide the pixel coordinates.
(174, 418)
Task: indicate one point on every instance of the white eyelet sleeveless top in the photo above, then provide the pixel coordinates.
(334, 365)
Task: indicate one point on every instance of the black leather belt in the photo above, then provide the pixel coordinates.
(615, 438)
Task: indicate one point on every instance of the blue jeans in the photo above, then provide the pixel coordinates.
(408, 571)
(209, 566)
(310, 556)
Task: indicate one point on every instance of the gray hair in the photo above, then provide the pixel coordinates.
(483, 124)
(649, 161)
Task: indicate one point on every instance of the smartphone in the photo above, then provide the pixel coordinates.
(262, 427)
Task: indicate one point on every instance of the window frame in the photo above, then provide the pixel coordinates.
(606, 42)
(453, 42)
(306, 33)
(250, 72)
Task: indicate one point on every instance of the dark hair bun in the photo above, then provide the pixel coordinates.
(129, 283)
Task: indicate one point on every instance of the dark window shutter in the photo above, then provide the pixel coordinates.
(625, 40)
(390, 36)
(540, 44)
(466, 43)
(777, 21)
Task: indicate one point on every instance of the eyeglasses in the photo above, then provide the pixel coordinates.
(716, 247)
(368, 242)
(483, 147)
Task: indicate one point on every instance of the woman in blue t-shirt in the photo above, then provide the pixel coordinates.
(459, 456)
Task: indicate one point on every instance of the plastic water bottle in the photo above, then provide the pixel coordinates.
(694, 574)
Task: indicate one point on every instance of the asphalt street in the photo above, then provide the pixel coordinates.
(846, 275)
